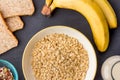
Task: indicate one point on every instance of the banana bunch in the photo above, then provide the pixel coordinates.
(99, 14)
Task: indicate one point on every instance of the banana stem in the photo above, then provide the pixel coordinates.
(48, 2)
(52, 7)
(47, 10)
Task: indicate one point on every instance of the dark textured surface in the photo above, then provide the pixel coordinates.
(65, 17)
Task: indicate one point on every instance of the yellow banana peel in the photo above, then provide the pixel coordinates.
(94, 16)
(108, 12)
(48, 2)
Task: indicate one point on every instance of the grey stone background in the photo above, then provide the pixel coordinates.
(37, 22)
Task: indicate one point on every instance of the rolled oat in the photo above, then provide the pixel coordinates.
(59, 57)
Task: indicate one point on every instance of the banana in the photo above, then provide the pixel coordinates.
(94, 16)
(108, 12)
(46, 10)
(48, 2)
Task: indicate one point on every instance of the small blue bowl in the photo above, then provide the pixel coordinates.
(9, 66)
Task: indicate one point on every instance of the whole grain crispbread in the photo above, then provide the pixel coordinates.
(10, 8)
(7, 39)
(14, 23)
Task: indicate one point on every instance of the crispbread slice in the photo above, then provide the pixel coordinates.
(14, 23)
(10, 8)
(7, 39)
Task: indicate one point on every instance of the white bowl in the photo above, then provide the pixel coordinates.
(27, 55)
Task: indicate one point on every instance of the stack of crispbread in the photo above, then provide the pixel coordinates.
(10, 10)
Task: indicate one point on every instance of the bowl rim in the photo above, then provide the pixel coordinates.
(58, 26)
(12, 66)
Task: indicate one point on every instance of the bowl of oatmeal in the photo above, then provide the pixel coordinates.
(59, 53)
